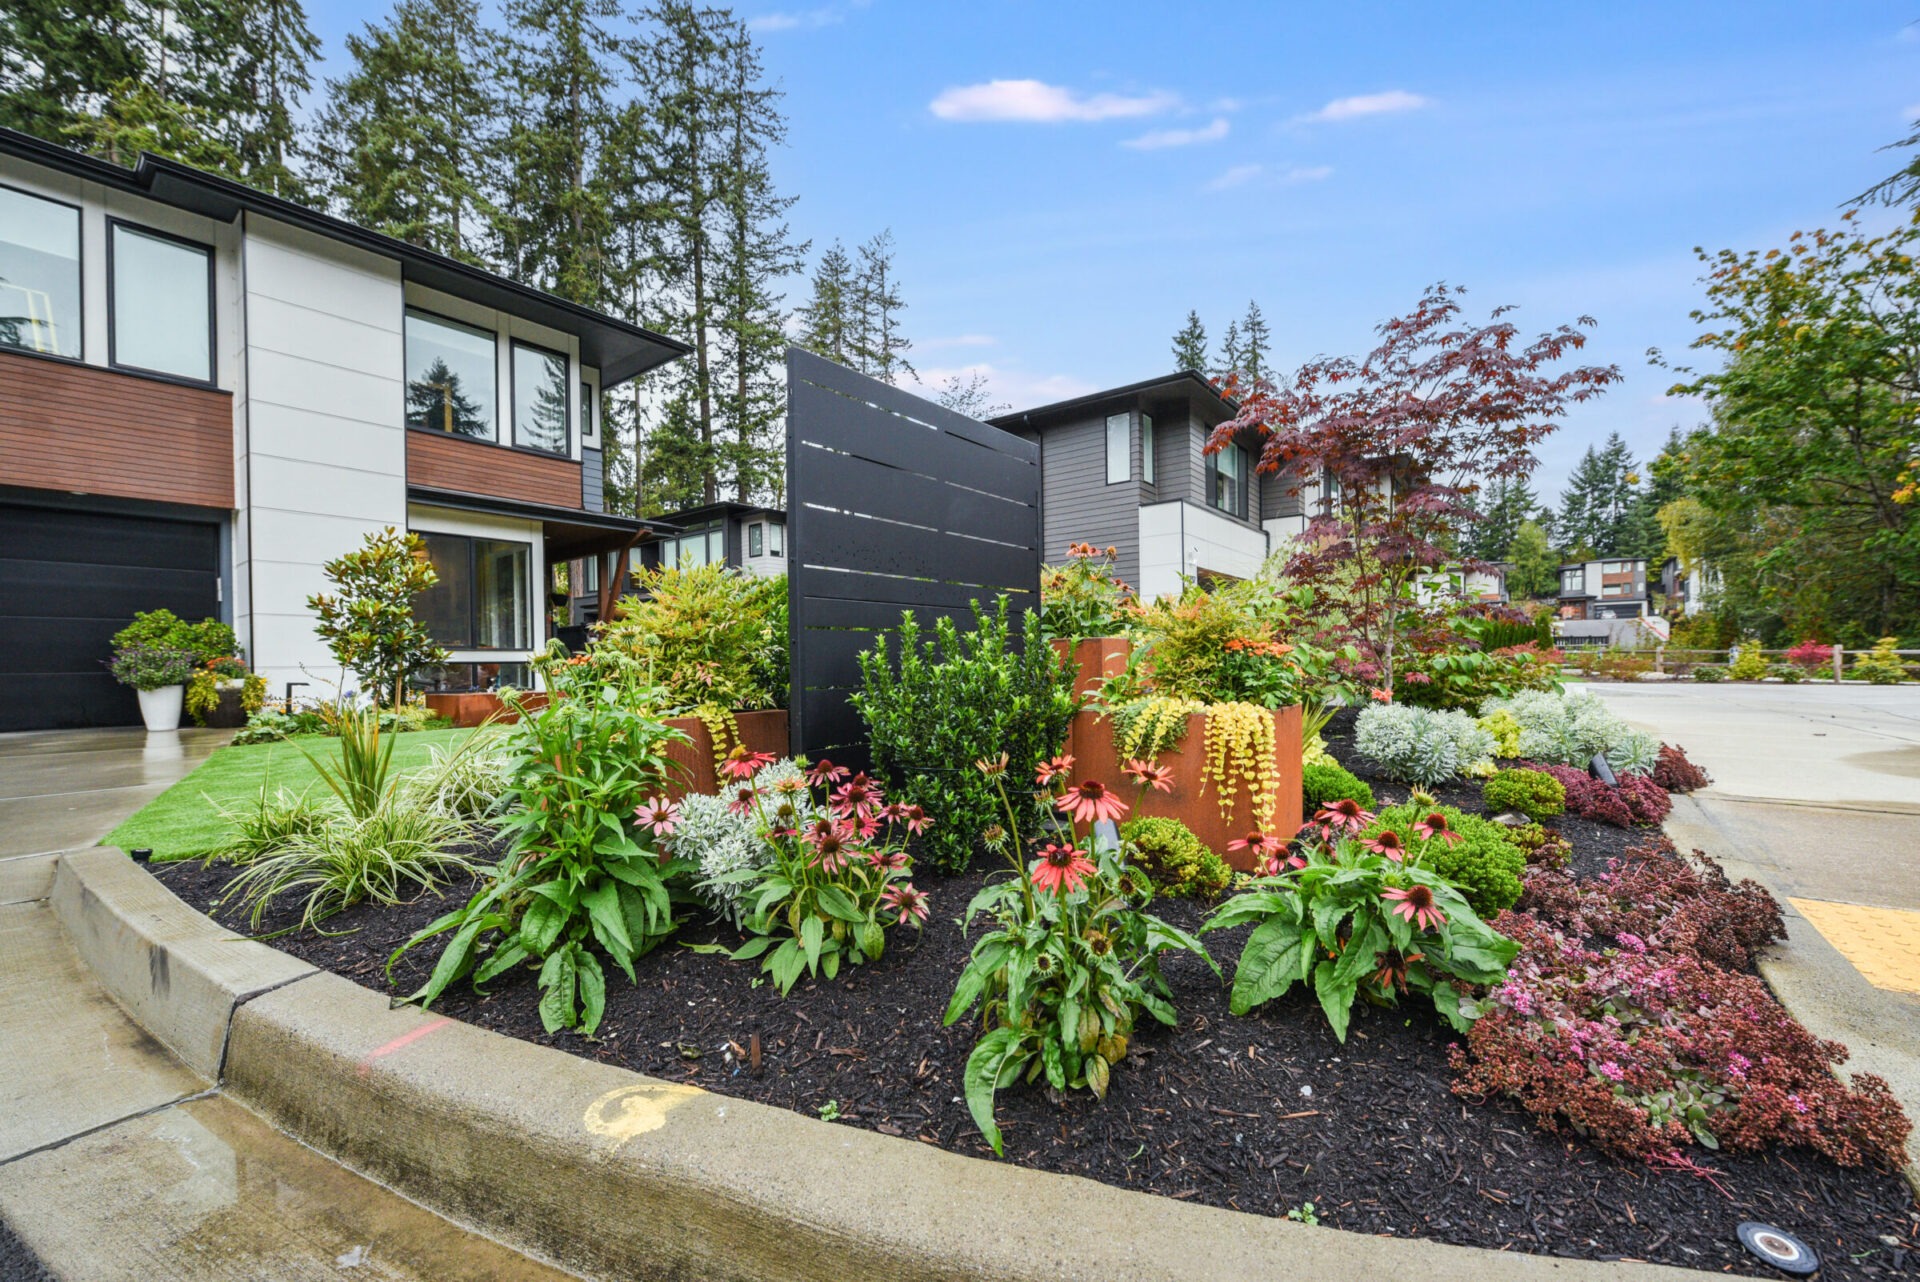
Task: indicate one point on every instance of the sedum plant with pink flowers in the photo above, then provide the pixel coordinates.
(839, 870)
(1073, 958)
(1358, 914)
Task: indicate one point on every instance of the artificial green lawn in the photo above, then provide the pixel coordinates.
(183, 822)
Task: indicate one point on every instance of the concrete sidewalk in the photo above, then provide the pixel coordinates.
(1816, 795)
(67, 789)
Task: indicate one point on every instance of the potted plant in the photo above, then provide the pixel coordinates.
(222, 693)
(159, 674)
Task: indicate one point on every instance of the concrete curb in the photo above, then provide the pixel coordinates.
(509, 1137)
(177, 973)
(25, 879)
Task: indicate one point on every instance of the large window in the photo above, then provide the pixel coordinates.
(540, 399)
(1119, 448)
(1573, 582)
(692, 548)
(483, 600)
(161, 304)
(1146, 448)
(1227, 480)
(39, 275)
(451, 377)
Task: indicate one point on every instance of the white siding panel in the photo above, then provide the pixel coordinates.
(335, 341)
(1182, 539)
(330, 490)
(313, 436)
(322, 275)
(369, 395)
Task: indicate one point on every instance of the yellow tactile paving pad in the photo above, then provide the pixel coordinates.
(1883, 944)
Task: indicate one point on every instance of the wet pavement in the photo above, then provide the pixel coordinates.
(66, 789)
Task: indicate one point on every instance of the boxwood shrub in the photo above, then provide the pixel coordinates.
(1533, 793)
(1325, 781)
(1484, 865)
(1174, 859)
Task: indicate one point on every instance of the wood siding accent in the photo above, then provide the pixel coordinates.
(442, 462)
(87, 430)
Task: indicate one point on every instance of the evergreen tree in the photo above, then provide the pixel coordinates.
(404, 136)
(678, 464)
(1232, 351)
(968, 394)
(876, 312)
(1254, 342)
(1533, 569)
(273, 49)
(1506, 503)
(826, 318)
(1190, 346)
(59, 62)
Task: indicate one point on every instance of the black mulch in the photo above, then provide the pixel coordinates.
(1259, 1114)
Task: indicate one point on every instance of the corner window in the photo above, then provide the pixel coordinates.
(1146, 448)
(540, 399)
(451, 377)
(756, 539)
(483, 600)
(695, 548)
(160, 304)
(589, 417)
(1119, 448)
(776, 539)
(39, 275)
(1227, 481)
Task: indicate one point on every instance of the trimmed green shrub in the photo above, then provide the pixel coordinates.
(1709, 672)
(1325, 781)
(1532, 793)
(1174, 859)
(1749, 664)
(1484, 864)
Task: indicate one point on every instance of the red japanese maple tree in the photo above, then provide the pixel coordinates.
(1396, 444)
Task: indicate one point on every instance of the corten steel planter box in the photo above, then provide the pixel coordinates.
(690, 767)
(473, 708)
(1194, 801)
(1094, 659)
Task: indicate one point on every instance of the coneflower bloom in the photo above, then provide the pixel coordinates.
(909, 903)
(741, 764)
(1343, 813)
(1149, 775)
(1389, 844)
(789, 785)
(1415, 903)
(1056, 768)
(824, 772)
(743, 799)
(992, 767)
(1061, 868)
(1089, 801)
(830, 853)
(889, 859)
(917, 821)
(1273, 865)
(658, 815)
(1259, 843)
(1435, 825)
(857, 796)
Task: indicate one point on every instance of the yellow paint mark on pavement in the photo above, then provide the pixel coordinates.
(627, 1111)
(1883, 944)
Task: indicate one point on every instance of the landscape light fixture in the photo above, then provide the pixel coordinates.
(1778, 1247)
(1602, 771)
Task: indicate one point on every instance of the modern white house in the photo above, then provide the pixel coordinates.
(206, 393)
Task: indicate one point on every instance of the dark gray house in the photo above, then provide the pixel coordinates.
(749, 538)
(1124, 468)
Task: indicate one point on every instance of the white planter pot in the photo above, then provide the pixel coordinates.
(160, 709)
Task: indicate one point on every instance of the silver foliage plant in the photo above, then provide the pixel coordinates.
(1419, 745)
(1572, 729)
(720, 841)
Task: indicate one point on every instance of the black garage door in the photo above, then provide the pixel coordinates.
(71, 579)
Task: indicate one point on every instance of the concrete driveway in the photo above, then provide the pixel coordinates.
(1816, 794)
(66, 789)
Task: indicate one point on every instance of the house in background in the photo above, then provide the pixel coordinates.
(1486, 586)
(206, 393)
(749, 538)
(1124, 469)
(1614, 588)
(1685, 588)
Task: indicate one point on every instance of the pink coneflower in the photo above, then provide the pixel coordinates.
(790, 785)
(1415, 903)
(1343, 814)
(917, 821)
(741, 764)
(1055, 768)
(818, 831)
(1061, 868)
(1435, 825)
(1389, 844)
(658, 815)
(743, 799)
(862, 824)
(1262, 845)
(892, 860)
(857, 796)
(1149, 775)
(1274, 865)
(824, 772)
(830, 853)
(909, 903)
(1089, 801)
(992, 767)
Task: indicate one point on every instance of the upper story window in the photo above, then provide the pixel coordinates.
(1227, 480)
(1573, 580)
(589, 420)
(1119, 448)
(161, 304)
(39, 275)
(540, 399)
(451, 377)
(776, 539)
(1146, 448)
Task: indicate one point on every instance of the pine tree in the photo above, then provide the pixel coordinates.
(1254, 343)
(273, 50)
(826, 317)
(678, 464)
(756, 252)
(1575, 526)
(1190, 346)
(877, 305)
(1232, 352)
(1609, 514)
(405, 131)
(59, 62)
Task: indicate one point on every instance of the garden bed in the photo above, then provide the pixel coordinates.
(1263, 1113)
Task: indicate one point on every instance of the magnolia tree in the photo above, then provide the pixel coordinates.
(1397, 443)
(368, 621)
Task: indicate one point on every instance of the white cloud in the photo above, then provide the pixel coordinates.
(1155, 139)
(959, 340)
(1038, 102)
(1018, 388)
(1911, 113)
(1368, 104)
(1309, 173)
(1237, 176)
(826, 15)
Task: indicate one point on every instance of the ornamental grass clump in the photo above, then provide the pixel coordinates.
(1072, 960)
(1358, 919)
(1421, 746)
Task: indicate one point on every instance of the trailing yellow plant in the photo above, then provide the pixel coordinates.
(1148, 727)
(1240, 751)
(722, 729)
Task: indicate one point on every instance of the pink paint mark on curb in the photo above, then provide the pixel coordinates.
(400, 1043)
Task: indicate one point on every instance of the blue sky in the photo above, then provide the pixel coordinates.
(1065, 180)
